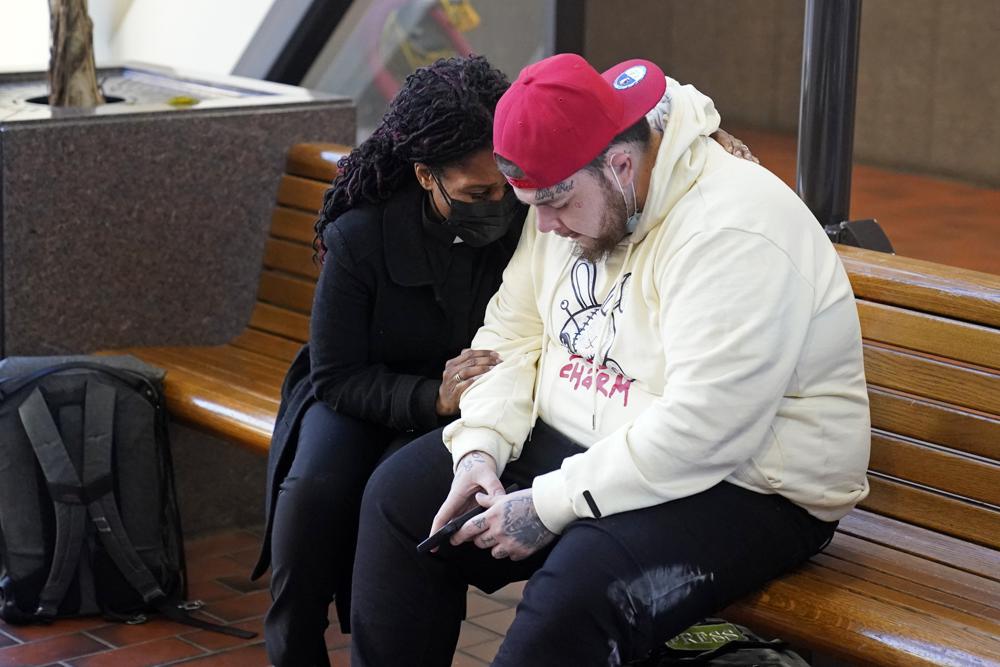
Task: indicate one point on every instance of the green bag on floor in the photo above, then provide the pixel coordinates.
(716, 642)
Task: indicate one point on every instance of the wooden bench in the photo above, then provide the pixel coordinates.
(912, 577)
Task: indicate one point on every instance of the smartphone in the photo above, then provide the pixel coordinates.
(445, 532)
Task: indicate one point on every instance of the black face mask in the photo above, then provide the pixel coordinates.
(483, 222)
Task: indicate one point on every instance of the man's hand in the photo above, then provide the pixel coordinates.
(475, 474)
(458, 376)
(510, 528)
(734, 145)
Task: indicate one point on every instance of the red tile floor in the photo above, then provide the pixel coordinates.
(218, 566)
(934, 219)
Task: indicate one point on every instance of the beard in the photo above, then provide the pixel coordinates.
(612, 229)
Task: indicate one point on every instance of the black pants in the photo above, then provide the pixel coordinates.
(315, 531)
(606, 592)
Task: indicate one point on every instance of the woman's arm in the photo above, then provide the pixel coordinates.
(342, 374)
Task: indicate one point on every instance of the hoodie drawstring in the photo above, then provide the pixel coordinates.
(600, 341)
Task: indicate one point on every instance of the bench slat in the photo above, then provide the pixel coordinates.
(948, 471)
(221, 409)
(923, 543)
(938, 423)
(925, 508)
(935, 335)
(315, 160)
(293, 225)
(932, 378)
(267, 344)
(286, 291)
(879, 559)
(289, 257)
(908, 586)
(212, 404)
(281, 322)
(826, 616)
(925, 286)
(909, 598)
(222, 363)
(241, 363)
(301, 193)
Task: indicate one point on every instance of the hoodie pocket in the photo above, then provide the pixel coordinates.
(770, 463)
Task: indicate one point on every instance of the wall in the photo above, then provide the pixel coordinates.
(928, 95)
(24, 35)
(187, 34)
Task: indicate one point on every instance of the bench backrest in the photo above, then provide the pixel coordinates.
(279, 324)
(932, 359)
(932, 356)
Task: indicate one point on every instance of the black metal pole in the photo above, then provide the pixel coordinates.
(826, 112)
(307, 41)
(571, 23)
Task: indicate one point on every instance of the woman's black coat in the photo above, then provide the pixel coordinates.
(380, 332)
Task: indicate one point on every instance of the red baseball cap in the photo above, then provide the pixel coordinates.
(560, 114)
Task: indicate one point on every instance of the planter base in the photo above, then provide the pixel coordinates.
(144, 226)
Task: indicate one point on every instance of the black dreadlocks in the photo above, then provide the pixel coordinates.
(441, 115)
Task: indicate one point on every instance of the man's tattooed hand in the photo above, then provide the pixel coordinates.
(471, 459)
(509, 526)
(475, 472)
(521, 522)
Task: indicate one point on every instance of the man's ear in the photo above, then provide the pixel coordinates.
(424, 176)
(623, 164)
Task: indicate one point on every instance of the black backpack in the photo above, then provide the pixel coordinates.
(89, 521)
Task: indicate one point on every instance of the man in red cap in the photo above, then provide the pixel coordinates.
(681, 396)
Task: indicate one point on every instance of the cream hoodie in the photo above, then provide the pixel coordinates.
(727, 341)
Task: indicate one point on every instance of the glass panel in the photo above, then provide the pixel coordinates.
(379, 42)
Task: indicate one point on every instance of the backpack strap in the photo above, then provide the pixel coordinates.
(98, 433)
(11, 385)
(98, 428)
(64, 486)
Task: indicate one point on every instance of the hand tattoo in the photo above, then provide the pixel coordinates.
(500, 553)
(470, 460)
(479, 523)
(521, 522)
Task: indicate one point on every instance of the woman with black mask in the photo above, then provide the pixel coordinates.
(413, 236)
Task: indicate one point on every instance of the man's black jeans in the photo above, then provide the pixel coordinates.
(606, 592)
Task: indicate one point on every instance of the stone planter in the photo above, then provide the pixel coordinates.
(143, 221)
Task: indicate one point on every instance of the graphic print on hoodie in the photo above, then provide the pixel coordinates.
(590, 327)
(584, 370)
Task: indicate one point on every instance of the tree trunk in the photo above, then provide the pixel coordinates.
(72, 73)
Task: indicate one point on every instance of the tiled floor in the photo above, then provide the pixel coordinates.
(218, 568)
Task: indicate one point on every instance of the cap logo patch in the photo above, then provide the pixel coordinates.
(630, 77)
